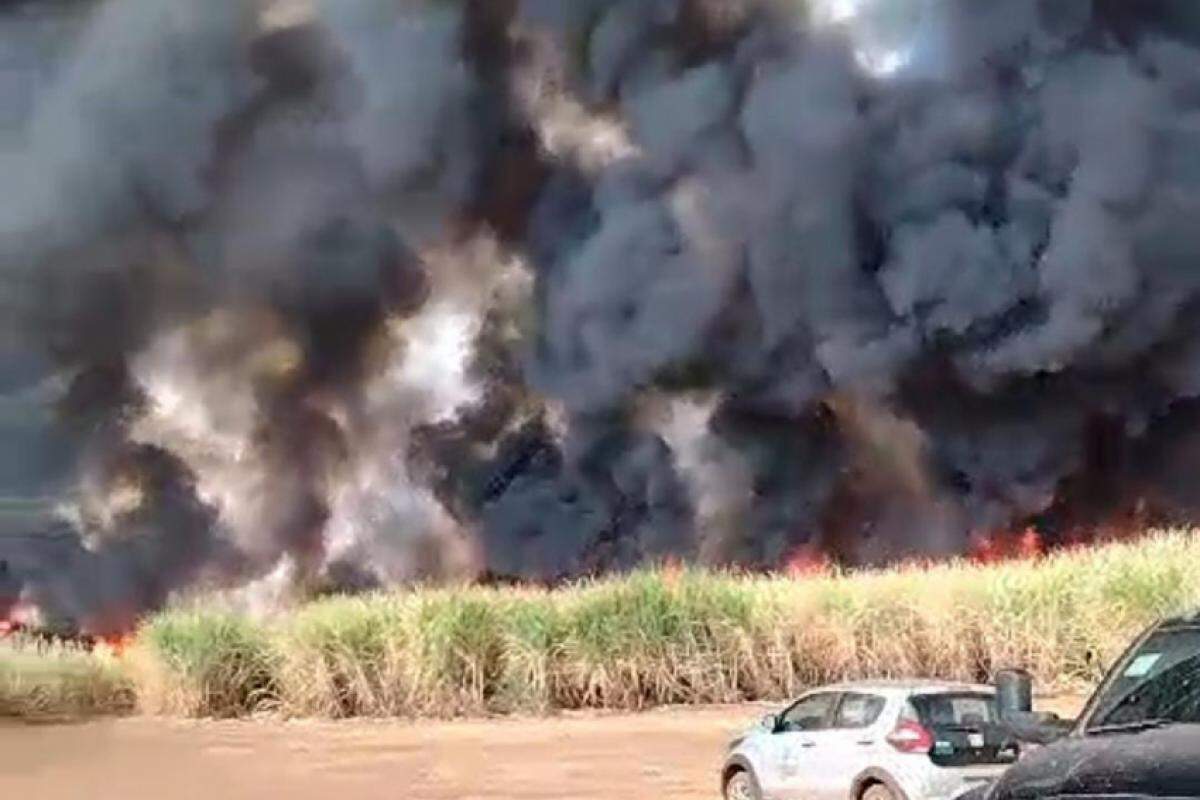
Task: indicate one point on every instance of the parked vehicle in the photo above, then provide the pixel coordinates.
(912, 740)
(1138, 737)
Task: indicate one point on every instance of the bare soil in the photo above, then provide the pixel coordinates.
(666, 755)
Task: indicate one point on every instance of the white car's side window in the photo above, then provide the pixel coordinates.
(858, 711)
(812, 713)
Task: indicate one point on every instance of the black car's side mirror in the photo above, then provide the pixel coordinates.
(1014, 701)
(1014, 693)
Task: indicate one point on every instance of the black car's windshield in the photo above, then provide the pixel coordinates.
(1157, 683)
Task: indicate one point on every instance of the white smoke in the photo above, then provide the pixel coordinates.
(885, 33)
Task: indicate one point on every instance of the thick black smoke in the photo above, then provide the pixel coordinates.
(364, 291)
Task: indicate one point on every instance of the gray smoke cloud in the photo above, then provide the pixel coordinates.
(400, 290)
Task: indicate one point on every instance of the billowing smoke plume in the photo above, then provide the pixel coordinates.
(343, 293)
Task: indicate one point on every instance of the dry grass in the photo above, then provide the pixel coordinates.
(656, 638)
(647, 639)
(197, 664)
(61, 684)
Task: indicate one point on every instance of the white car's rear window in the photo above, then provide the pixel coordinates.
(939, 710)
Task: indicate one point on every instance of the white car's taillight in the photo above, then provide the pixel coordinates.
(911, 737)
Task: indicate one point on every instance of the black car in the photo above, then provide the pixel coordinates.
(1138, 737)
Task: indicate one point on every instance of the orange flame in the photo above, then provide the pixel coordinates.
(807, 560)
(1007, 546)
(1031, 545)
(118, 644)
(672, 569)
(17, 619)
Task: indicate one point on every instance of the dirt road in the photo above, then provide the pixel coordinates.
(664, 755)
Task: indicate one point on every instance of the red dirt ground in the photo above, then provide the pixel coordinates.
(670, 754)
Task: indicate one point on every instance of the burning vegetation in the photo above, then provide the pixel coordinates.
(673, 635)
(374, 292)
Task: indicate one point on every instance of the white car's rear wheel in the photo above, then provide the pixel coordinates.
(742, 786)
(878, 791)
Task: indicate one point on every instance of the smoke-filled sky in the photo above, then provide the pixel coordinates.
(340, 294)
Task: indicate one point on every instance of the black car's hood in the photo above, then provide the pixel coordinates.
(1153, 763)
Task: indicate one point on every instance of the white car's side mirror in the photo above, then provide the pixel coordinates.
(770, 722)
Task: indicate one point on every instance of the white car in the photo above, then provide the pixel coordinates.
(911, 740)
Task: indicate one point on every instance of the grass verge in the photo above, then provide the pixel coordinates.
(61, 684)
(664, 637)
(668, 637)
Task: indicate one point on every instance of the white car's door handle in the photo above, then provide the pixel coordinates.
(808, 744)
(865, 742)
